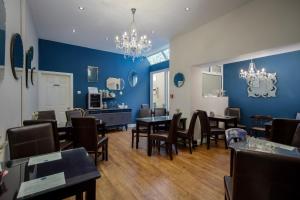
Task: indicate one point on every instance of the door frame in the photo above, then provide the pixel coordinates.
(166, 86)
(41, 72)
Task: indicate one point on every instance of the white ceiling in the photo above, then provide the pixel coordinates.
(55, 19)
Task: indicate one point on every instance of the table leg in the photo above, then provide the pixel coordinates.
(91, 192)
(79, 196)
(148, 140)
(137, 135)
(235, 122)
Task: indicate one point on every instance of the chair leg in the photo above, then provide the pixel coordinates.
(170, 151)
(150, 147)
(158, 146)
(132, 139)
(216, 139)
(106, 151)
(190, 145)
(208, 141)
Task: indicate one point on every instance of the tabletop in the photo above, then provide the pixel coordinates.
(156, 119)
(75, 163)
(222, 117)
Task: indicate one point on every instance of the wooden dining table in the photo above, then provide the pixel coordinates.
(224, 118)
(79, 172)
(151, 122)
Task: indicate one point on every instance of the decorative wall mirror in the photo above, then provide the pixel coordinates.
(92, 73)
(29, 57)
(179, 80)
(133, 78)
(115, 83)
(2, 33)
(16, 54)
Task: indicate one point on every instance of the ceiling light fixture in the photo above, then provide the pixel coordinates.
(107, 38)
(130, 43)
(73, 30)
(81, 8)
(187, 9)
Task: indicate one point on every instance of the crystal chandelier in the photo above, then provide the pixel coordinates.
(130, 42)
(254, 74)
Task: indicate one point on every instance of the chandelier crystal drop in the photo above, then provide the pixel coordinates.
(131, 43)
(253, 73)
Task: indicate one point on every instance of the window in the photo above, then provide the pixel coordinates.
(159, 57)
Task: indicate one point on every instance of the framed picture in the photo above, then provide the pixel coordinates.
(92, 73)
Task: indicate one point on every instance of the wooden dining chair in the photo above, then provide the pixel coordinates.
(188, 135)
(48, 114)
(258, 124)
(296, 137)
(235, 112)
(207, 131)
(143, 131)
(73, 113)
(31, 140)
(61, 143)
(86, 135)
(283, 130)
(169, 138)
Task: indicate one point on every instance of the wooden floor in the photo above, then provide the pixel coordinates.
(131, 174)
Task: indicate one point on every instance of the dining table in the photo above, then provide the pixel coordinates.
(262, 145)
(151, 122)
(224, 118)
(52, 176)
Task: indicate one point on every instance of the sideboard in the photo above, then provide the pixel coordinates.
(113, 117)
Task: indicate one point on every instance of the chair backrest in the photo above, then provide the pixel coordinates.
(258, 175)
(85, 133)
(31, 140)
(192, 124)
(204, 122)
(145, 106)
(173, 128)
(236, 112)
(160, 111)
(298, 116)
(235, 135)
(260, 120)
(283, 130)
(73, 113)
(49, 114)
(296, 137)
(54, 129)
(144, 112)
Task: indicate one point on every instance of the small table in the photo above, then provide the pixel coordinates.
(79, 170)
(153, 121)
(225, 119)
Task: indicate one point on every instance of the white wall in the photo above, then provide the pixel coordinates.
(10, 89)
(256, 26)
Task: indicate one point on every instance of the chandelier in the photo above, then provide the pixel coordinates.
(130, 43)
(254, 74)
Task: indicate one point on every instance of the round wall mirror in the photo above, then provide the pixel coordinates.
(16, 54)
(2, 33)
(132, 78)
(179, 80)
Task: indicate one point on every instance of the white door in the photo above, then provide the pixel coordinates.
(56, 93)
(159, 89)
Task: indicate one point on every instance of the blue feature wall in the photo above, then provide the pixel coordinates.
(287, 102)
(59, 57)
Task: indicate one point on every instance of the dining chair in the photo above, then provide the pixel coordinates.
(258, 124)
(188, 135)
(73, 113)
(169, 137)
(235, 112)
(208, 131)
(143, 131)
(86, 135)
(31, 140)
(61, 143)
(145, 106)
(264, 176)
(296, 137)
(283, 130)
(48, 114)
(160, 112)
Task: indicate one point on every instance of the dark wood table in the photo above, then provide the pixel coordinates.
(259, 145)
(79, 170)
(225, 119)
(150, 122)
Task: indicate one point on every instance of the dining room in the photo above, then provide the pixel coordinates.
(142, 100)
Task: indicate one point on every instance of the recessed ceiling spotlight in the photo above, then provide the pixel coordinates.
(107, 38)
(81, 8)
(187, 9)
(73, 30)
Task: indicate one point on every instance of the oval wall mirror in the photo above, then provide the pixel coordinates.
(132, 78)
(179, 80)
(2, 33)
(16, 54)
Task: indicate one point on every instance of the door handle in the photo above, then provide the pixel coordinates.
(56, 85)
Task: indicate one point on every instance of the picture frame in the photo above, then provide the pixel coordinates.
(93, 74)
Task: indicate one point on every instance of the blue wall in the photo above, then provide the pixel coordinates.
(59, 57)
(159, 66)
(287, 102)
